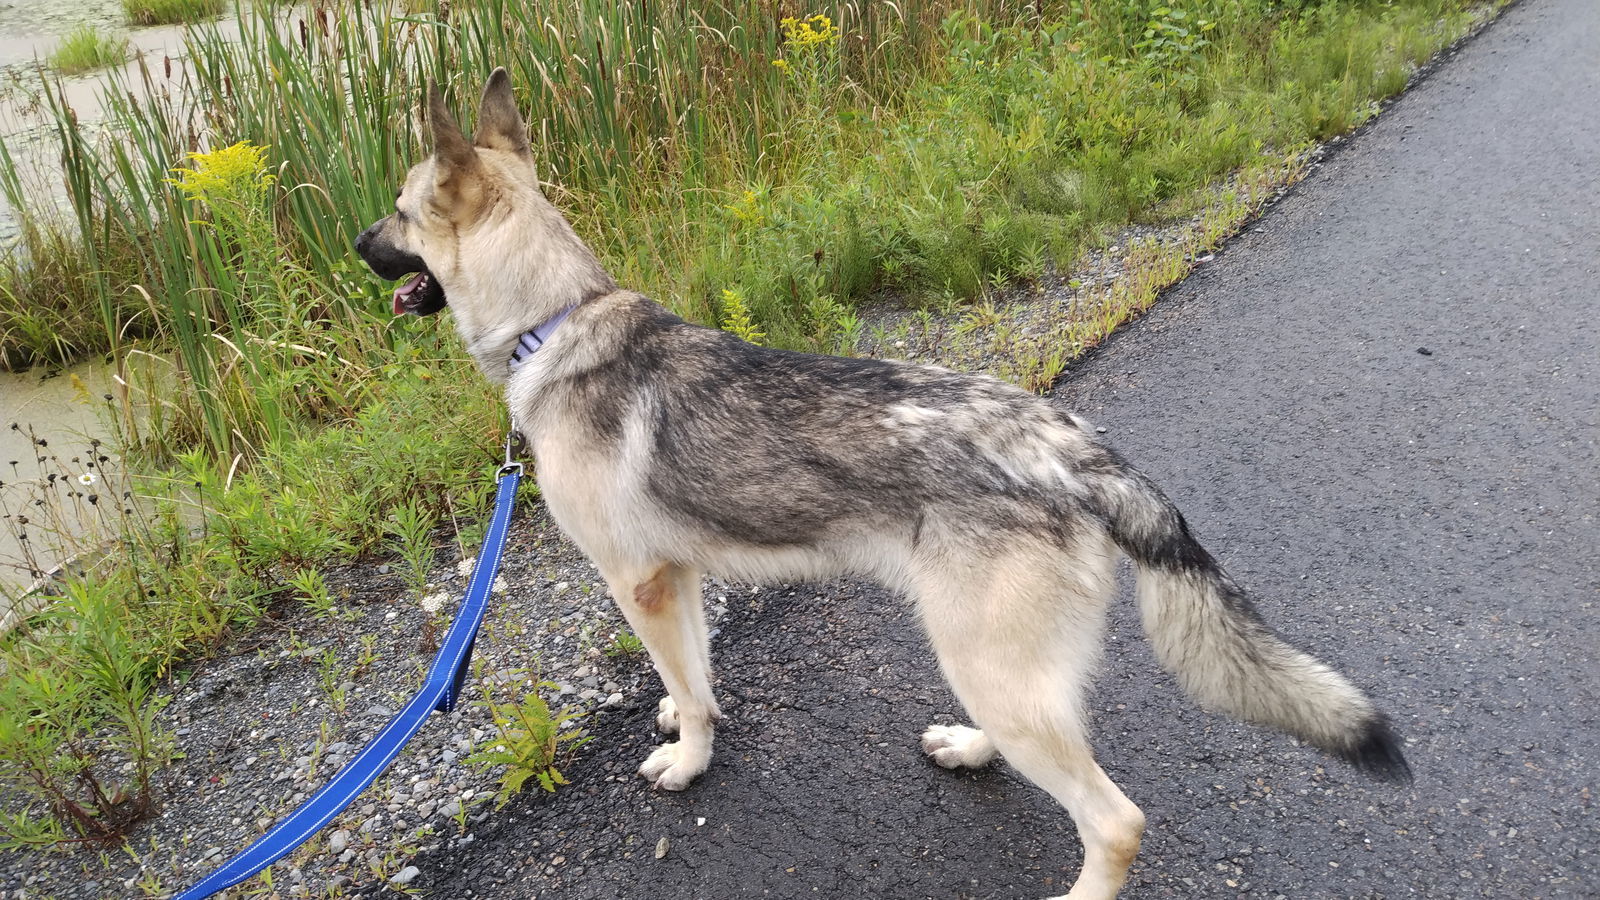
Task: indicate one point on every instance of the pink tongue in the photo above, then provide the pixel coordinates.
(404, 291)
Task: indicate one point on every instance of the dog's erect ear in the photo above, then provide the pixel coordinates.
(500, 126)
(456, 165)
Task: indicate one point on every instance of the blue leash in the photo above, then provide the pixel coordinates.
(439, 692)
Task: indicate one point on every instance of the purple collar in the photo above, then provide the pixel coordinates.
(535, 338)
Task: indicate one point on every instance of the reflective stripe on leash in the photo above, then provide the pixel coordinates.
(440, 691)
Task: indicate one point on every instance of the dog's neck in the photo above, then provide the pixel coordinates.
(536, 337)
(533, 285)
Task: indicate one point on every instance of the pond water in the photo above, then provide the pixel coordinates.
(44, 521)
(20, 19)
(62, 408)
(29, 31)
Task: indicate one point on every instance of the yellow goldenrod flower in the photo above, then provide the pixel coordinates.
(736, 317)
(231, 174)
(805, 34)
(748, 209)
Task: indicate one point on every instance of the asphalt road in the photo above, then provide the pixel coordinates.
(1380, 408)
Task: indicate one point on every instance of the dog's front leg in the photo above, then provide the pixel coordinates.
(663, 607)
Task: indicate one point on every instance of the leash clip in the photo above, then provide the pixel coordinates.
(516, 445)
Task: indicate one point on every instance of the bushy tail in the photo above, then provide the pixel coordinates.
(1208, 634)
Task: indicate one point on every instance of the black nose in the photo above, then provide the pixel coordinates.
(363, 240)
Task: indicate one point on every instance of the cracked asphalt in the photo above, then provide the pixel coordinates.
(1379, 406)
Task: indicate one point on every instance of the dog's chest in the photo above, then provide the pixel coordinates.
(593, 495)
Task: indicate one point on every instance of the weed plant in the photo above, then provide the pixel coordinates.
(530, 739)
(168, 12)
(79, 737)
(410, 526)
(87, 48)
(624, 644)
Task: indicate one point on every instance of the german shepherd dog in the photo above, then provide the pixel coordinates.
(668, 451)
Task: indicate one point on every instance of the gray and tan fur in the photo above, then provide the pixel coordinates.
(669, 451)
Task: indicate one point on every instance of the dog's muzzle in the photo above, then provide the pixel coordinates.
(421, 294)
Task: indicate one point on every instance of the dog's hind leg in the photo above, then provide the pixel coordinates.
(1017, 635)
(664, 609)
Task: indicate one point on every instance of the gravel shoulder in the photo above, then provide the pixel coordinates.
(273, 715)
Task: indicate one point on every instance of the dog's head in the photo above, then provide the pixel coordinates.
(451, 204)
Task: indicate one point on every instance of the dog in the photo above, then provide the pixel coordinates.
(668, 451)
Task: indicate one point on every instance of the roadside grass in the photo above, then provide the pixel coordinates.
(202, 549)
(87, 48)
(766, 176)
(1020, 337)
(169, 12)
(937, 152)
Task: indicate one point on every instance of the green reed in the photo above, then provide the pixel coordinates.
(938, 151)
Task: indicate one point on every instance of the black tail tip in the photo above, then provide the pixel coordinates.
(1378, 753)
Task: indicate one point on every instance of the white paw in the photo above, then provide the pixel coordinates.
(667, 716)
(671, 768)
(956, 746)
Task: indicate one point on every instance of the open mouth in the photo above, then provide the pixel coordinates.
(420, 295)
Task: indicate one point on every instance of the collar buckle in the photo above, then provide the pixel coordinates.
(531, 340)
